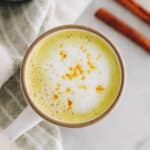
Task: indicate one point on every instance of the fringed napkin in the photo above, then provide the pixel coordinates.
(19, 26)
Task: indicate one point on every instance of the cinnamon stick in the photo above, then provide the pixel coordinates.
(137, 9)
(123, 28)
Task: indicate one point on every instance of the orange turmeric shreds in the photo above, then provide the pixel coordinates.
(55, 97)
(91, 65)
(68, 76)
(71, 68)
(73, 72)
(69, 103)
(83, 48)
(63, 54)
(99, 88)
(79, 68)
(68, 90)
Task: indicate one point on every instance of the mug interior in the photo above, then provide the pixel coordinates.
(27, 95)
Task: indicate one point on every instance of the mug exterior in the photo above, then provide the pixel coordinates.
(30, 101)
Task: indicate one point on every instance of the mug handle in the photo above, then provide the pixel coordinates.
(26, 120)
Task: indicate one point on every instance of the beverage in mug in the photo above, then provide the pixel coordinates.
(72, 75)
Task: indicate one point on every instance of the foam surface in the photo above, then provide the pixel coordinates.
(70, 75)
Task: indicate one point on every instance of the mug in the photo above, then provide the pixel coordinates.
(31, 116)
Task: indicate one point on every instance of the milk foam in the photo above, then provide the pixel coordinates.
(83, 100)
(69, 78)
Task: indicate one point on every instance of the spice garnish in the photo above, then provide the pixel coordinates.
(55, 96)
(73, 72)
(79, 68)
(90, 64)
(70, 103)
(83, 48)
(68, 90)
(100, 88)
(63, 54)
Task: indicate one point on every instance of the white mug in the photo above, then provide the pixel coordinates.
(31, 116)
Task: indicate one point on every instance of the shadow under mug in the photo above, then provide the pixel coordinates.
(31, 115)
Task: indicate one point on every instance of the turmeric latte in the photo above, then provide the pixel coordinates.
(73, 75)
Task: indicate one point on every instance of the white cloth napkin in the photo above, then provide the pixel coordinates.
(19, 26)
(6, 144)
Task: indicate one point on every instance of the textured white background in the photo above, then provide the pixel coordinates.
(128, 125)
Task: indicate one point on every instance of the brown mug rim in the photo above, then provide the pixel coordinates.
(48, 118)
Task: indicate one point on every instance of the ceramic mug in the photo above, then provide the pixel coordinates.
(31, 115)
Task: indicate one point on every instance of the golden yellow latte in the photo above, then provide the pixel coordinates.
(73, 75)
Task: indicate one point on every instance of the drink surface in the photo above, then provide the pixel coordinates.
(73, 76)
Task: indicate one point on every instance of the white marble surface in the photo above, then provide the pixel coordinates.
(127, 127)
